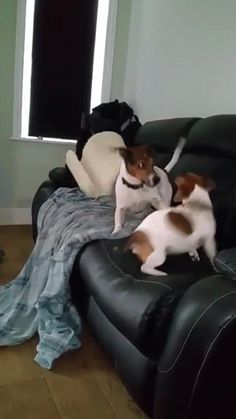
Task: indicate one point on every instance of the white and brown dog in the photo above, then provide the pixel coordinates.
(140, 182)
(175, 230)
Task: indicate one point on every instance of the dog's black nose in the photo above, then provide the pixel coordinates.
(156, 180)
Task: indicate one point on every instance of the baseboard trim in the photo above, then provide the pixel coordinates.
(15, 216)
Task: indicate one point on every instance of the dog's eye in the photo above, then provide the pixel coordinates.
(141, 165)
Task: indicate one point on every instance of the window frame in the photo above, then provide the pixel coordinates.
(19, 63)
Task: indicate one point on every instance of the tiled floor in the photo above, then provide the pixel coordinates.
(83, 383)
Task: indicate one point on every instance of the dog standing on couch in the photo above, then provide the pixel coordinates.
(181, 229)
(140, 182)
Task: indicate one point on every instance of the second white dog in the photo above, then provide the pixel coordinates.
(181, 229)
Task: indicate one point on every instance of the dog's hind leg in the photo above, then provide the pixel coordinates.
(154, 260)
(210, 248)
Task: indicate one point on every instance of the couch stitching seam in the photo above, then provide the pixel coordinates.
(226, 266)
(192, 328)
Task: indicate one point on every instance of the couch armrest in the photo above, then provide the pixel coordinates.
(200, 346)
(225, 262)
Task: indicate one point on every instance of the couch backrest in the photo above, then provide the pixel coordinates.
(215, 134)
(211, 150)
(163, 136)
(164, 133)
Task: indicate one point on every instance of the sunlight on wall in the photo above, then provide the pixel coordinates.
(27, 67)
(99, 53)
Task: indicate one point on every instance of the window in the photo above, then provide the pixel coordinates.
(24, 98)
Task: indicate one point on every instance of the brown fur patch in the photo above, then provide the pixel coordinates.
(140, 244)
(139, 161)
(186, 184)
(180, 222)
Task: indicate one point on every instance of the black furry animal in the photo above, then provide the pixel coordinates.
(112, 116)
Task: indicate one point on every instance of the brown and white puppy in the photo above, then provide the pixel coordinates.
(140, 182)
(181, 229)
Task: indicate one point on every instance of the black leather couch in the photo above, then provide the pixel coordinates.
(173, 338)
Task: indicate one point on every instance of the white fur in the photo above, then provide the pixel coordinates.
(99, 167)
(79, 173)
(136, 199)
(176, 155)
(166, 239)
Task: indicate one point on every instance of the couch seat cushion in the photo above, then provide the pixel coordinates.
(138, 305)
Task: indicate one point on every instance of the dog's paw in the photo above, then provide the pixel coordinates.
(155, 203)
(151, 271)
(116, 229)
(159, 273)
(194, 256)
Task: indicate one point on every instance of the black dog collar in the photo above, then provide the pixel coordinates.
(130, 185)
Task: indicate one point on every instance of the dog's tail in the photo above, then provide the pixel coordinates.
(140, 245)
(135, 238)
(176, 155)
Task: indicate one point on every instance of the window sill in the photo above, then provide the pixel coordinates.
(43, 141)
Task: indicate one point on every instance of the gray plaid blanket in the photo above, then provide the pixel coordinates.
(38, 299)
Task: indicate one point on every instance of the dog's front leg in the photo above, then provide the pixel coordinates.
(210, 248)
(158, 203)
(194, 256)
(119, 219)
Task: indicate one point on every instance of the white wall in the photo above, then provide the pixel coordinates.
(181, 58)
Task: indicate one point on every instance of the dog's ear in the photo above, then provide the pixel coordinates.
(180, 180)
(204, 181)
(150, 150)
(125, 153)
(210, 184)
(179, 196)
(183, 188)
(186, 183)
